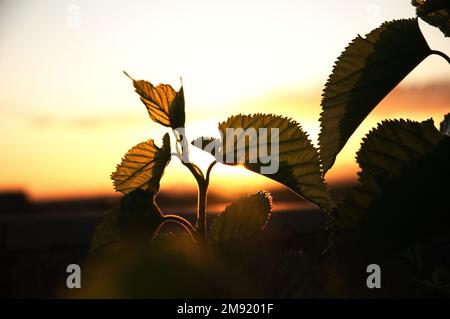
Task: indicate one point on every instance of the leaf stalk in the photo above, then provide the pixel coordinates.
(441, 54)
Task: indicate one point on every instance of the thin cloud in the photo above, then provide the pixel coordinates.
(22, 113)
(433, 97)
(85, 122)
(403, 100)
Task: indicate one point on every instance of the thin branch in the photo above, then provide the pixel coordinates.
(201, 197)
(201, 209)
(178, 144)
(176, 135)
(190, 229)
(201, 182)
(208, 172)
(441, 54)
(196, 171)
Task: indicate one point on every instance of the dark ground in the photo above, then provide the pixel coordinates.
(39, 240)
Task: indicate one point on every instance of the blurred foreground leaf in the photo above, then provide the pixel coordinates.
(106, 233)
(135, 220)
(401, 200)
(384, 151)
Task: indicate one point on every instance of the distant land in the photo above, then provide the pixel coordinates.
(38, 239)
(14, 202)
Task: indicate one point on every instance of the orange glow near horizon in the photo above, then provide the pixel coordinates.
(68, 115)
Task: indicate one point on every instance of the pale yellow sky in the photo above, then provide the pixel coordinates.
(67, 112)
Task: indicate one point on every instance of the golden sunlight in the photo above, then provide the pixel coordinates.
(68, 114)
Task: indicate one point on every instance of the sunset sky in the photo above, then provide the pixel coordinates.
(68, 113)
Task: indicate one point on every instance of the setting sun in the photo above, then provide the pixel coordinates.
(68, 113)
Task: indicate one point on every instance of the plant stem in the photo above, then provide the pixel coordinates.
(203, 184)
(201, 209)
(441, 54)
(182, 222)
(196, 171)
(201, 198)
(208, 172)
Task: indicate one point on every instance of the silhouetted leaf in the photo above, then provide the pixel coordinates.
(135, 220)
(384, 151)
(445, 125)
(387, 215)
(236, 229)
(142, 167)
(164, 105)
(412, 207)
(106, 233)
(400, 201)
(434, 12)
(363, 75)
(298, 160)
(139, 217)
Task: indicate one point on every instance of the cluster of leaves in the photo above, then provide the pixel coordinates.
(435, 12)
(400, 199)
(404, 168)
(136, 222)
